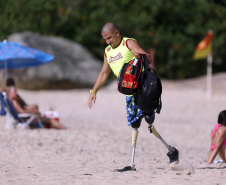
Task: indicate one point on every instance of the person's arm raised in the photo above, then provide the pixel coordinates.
(101, 80)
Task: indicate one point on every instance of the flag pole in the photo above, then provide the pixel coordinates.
(204, 50)
(209, 71)
(209, 76)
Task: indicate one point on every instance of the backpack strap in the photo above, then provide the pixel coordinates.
(146, 64)
(160, 106)
(144, 58)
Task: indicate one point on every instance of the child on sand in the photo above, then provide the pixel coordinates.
(218, 139)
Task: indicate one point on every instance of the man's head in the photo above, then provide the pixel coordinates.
(111, 34)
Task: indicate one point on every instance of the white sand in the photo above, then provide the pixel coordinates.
(99, 140)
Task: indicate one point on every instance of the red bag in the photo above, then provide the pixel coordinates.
(129, 76)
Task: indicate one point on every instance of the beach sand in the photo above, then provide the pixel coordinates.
(98, 140)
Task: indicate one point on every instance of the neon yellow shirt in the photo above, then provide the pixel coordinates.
(116, 57)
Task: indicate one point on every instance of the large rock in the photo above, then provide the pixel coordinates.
(73, 66)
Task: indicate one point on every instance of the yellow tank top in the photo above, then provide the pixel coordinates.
(116, 57)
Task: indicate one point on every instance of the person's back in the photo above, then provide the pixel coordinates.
(218, 139)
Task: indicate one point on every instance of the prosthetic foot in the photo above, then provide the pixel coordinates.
(173, 153)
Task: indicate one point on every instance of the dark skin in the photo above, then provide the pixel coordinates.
(48, 121)
(220, 149)
(112, 37)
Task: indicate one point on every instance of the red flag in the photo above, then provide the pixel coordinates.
(204, 47)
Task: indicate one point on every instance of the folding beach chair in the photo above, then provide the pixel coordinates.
(14, 118)
(2, 105)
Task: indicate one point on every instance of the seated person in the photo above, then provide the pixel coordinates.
(48, 122)
(218, 139)
(10, 82)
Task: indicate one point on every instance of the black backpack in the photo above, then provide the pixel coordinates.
(148, 95)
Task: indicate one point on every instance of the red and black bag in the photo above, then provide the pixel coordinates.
(129, 76)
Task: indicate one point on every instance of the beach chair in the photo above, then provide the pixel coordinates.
(2, 108)
(16, 119)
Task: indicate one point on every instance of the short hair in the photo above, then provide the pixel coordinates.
(110, 26)
(222, 117)
(10, 82)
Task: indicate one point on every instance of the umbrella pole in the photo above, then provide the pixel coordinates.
(6, 71)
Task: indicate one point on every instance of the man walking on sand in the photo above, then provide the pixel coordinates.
(121, 50)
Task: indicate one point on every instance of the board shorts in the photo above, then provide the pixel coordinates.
(133, 112)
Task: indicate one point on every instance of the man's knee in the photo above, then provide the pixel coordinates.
(150, 118)
(137, 123)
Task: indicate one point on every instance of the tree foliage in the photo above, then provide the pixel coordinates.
(173, 28)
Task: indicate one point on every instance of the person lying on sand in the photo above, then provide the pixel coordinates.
(48, 122)
(218, 139)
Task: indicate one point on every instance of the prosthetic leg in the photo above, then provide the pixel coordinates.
(173, 153)
(134, 141)
(132, 165)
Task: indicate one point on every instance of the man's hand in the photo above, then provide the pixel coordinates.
(101, 79)
(91, 99)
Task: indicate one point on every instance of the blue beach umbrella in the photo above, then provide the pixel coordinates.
(13, 55)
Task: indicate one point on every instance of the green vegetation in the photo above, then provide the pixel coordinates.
(173, 28)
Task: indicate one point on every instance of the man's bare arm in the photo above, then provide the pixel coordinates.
(136, 49)
(101, 80)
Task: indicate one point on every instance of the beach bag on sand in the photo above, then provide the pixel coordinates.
(129, 76)
(148, 95)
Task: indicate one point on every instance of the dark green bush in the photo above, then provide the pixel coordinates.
(173, 28)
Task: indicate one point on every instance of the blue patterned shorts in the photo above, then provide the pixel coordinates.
(133, 112)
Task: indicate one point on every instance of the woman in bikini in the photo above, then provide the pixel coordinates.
(31, 107)
(218, 139)
(48, 122)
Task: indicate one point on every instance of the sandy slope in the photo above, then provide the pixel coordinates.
(99, 140)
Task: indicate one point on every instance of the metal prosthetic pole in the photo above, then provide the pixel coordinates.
(154, 131)
(173, 153)
(132, 165)
(134, 141)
